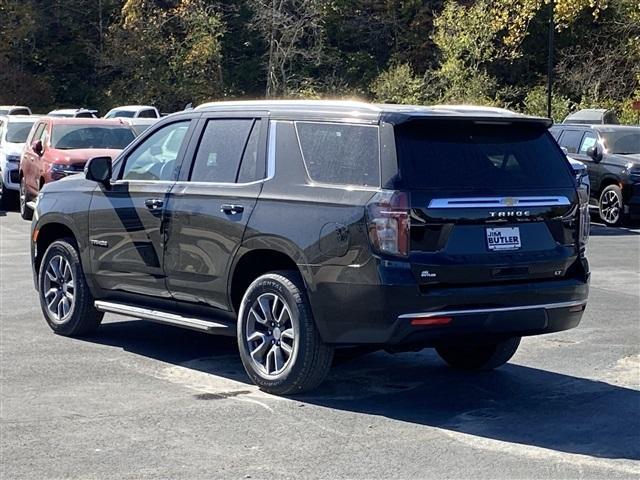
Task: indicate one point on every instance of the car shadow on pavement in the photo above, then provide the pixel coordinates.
(514, 404)
(604, 231)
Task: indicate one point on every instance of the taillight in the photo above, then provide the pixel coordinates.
(388, 222)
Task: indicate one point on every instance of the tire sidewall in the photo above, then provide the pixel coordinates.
(270, 283)
(25, 212)
(67, 251)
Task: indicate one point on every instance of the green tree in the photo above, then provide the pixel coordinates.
(467, 45)
(166, 56)
(398, 84)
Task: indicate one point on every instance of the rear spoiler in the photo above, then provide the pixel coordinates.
(396, 118)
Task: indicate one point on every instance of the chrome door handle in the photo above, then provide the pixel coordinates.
(231, 209)
(154, 203)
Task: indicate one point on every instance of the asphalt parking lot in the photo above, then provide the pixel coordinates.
(141, 400)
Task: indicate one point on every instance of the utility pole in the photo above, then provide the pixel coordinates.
(552, 28)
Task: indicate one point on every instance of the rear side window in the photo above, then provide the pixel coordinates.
(589, 140)
(339, 153)
(252, 168)
(221, 148)
(148, 113)
(570, 139)
(465, 155)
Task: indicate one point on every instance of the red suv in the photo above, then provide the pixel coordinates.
(58, 147)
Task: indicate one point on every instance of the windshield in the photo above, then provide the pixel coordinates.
(3, 111)
(120, 114)
(17, 132)
(68, 137)
(622, 142)
(468, 155)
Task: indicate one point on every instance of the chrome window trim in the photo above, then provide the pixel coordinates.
(497, 202)
(271, 165)
(546, 306)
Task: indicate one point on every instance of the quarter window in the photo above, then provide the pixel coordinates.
(156, 158)
(339, 153)
(221, 149)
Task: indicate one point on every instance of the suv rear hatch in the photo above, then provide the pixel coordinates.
(489, 201)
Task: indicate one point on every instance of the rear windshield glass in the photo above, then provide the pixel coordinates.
(340, 154)
(67, 137)
(121, 114)
(17, 132)
(466, 155)
(622, 142)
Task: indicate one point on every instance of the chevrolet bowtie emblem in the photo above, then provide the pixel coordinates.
(510, 201)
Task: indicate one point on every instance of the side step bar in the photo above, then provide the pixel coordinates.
(165, 317)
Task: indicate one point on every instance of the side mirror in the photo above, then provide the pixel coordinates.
(595, 153)
(98, 169)
(37, 147)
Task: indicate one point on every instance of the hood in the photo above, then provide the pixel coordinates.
(82, 155)
(634, 157)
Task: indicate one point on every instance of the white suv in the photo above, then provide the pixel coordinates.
(14, 130)
(133, 111)
(14, 110)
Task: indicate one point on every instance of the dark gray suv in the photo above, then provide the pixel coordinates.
(612, 156)
(302, 227)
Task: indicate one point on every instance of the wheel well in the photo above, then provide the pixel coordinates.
(48, 234)
(254, 264)
(606, 182)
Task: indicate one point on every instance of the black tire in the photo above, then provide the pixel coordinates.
(25, 212)
(611, 206)
(309, 360)
(479, 357)
(81, 318)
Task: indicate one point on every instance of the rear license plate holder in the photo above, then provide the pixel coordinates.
(503, 239)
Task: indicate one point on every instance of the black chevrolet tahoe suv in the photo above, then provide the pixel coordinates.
(612, 156)
(303, 227)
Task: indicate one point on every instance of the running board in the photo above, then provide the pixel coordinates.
(164, 317)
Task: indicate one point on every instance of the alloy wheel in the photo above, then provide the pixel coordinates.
(270, 334)
(610, 206)
(59, 289)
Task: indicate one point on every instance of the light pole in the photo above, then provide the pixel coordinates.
(552, 29)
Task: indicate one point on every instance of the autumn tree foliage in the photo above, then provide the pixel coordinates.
(101, 53)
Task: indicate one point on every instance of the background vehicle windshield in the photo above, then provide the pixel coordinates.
(17, 132)
(622, 142)
(468, 155)
(67, 137)
(121, 114)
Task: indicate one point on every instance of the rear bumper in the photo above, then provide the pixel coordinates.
(384, 314)
(438, 327)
